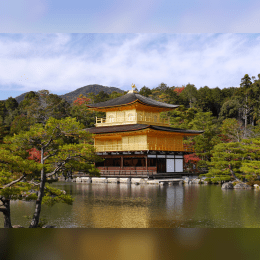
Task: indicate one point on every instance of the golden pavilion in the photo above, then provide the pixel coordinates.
(134, 141)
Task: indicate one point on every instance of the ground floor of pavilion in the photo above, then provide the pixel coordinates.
(152, 164)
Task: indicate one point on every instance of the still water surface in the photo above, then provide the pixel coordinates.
(146, 206)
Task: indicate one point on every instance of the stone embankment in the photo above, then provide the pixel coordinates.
(136, 181)
(183, 180)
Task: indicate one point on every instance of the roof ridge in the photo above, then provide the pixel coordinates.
(129, 98)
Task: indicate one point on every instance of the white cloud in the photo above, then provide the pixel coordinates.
(65, 62)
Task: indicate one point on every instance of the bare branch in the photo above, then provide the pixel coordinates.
(13, 182)
(34, 183)
(58, 168)
(49, 155)
(46, 145)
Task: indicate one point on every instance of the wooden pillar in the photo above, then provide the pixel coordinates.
(146, 162)
(156, 163)
(122, 160)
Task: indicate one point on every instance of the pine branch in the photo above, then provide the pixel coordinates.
(51, 138)
(13, 182)
(58, 168)
(49, 155)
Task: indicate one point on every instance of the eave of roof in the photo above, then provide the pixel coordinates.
(136, 127)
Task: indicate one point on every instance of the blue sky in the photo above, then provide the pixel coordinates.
(135, 16)
(65, 45)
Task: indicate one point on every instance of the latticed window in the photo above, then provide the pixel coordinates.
(155, 118)
(130, 117)
(111, 118)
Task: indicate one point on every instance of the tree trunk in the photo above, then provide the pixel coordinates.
(38, 205)
(232, 172)
(6, 212)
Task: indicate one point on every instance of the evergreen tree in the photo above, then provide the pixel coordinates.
(230, 109)
(181, 117)
(63, 145)
(145, 91)
(190, 91)
(235, 160)
(44, 105)
(203, 143)
(11, 104)
(232, 130)
(245, 96)
(82, 113)
(101, 97)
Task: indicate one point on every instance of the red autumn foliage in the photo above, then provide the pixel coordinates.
(179, 90)
(35, 155)
(191, 158)
(80, 101)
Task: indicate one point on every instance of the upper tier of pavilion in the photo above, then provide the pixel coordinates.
(132, 108)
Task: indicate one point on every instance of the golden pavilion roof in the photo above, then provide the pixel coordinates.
(130, 98)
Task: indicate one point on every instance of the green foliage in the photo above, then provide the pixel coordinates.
(82, 113)
(252, 182)
(21, 123)
(115, 94)
(181, 117)
(53, 196)
(238, 160)
(164, 93)
(11, 104)
(64, 146)
(44, 105)
(10, 115)
(3, 109)
(101, 97)
(230, 109)
(145, 91)
(42, 222)
(204, 142)
(208, 180)
(189, 94)
(232, 130)
(216, 179)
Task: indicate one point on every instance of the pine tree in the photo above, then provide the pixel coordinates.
(62, 145)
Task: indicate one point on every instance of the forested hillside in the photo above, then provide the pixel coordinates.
(71, 96)
(230, 118)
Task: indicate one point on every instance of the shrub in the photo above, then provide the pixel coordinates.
(208, 180)
(252, 182)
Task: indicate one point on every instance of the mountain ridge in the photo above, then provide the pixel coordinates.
(71, 96)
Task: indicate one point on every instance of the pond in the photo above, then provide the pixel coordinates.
(146, 206)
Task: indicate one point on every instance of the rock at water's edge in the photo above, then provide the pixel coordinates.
(227, 185)
(242, 186)
(48, 226)
(17, 226)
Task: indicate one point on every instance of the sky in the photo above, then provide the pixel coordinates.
(65, 45)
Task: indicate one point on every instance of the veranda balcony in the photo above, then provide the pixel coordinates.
(140, 147)
(132, 120)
